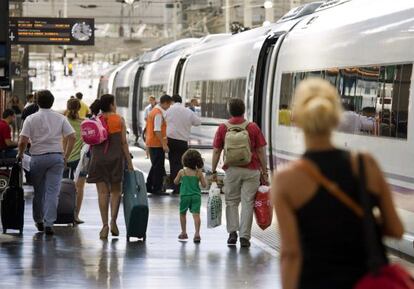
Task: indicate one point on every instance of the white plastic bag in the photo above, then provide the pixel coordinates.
(83, 165)
(214, 206)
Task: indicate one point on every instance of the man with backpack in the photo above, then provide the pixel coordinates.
(245, 164)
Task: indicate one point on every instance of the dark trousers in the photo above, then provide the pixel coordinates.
(157, 171)
(177, 149)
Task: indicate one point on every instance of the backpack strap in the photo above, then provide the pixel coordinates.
(242, 125)
(315, 174)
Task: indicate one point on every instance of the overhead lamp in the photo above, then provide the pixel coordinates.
(130, 2)
(266, 23)
(268, 4)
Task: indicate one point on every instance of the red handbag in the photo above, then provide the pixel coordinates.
(263, 207)
(391, 276)
(381, 275)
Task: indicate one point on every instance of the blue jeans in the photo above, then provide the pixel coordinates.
(46, 175)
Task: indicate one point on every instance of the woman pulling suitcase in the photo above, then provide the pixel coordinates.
(107, 165)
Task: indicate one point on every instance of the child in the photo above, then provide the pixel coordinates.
(190, 193)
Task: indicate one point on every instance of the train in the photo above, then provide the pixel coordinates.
(363, 47)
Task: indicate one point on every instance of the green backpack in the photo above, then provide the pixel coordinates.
(237, 150)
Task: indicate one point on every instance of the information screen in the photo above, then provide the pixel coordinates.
(52, 31)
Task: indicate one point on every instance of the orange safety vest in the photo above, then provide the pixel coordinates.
(152, 139)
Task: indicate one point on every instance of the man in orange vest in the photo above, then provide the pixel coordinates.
(157, 145)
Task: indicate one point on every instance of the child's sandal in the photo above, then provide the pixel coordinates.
(182, 236)
(197, 239)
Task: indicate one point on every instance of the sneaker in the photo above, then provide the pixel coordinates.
(40, 227)
(49, 231)
(232, 240)
(245, 243)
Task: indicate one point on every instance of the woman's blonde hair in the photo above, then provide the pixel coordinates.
(316, 109)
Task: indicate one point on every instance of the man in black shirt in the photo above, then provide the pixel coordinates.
(31, 109)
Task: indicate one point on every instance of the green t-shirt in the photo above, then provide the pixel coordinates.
(75, 155)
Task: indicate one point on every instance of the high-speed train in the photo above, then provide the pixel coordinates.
(363, 47)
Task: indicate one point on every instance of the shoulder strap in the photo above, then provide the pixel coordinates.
(312, 171)
(242, 125)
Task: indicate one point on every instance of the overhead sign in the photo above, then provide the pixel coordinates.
(52, 31)
(4, 45)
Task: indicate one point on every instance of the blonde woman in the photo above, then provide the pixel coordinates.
(322, 242)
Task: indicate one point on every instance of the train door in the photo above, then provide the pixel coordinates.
(177, 75)
(135, 107)
(261, 81)
(264, 82)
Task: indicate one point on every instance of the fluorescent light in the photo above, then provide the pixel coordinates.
(130, 2)
(268, 4)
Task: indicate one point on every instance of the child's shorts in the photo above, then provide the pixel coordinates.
(193, 203)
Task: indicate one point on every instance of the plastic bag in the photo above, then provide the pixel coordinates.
(83, 165)
(214, 206)
(263, 207)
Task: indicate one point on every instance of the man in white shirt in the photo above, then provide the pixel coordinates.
(45, 130)
(179, 122)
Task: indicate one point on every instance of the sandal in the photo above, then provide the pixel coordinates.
(104, 232)
(182, 236)
(197, 239)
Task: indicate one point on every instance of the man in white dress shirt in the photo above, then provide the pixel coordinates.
(179, 122)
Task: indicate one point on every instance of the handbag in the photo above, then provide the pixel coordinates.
(381, 275)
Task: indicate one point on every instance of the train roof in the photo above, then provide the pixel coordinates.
(351, 33)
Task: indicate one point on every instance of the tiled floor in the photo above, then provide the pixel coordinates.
(77, 258)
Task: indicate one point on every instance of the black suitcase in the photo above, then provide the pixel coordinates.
(67, 203)
(12, 203)
(135, 204)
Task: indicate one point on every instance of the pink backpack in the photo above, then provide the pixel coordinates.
(94, 131)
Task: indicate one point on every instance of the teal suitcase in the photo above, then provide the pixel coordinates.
(135, 202)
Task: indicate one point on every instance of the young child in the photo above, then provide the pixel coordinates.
(190, 193)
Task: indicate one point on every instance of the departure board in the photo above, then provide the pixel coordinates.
(52, 31)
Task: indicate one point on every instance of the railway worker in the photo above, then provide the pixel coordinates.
(152, 103)
(45, 130)
(156, 143)
(84, 109)
(241, 181)
(179, 122)
(322, 237)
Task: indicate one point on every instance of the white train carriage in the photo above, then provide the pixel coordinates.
(363, 47)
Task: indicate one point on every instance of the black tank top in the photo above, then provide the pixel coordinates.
(331, 235)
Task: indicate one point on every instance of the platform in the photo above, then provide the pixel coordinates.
(75, 257)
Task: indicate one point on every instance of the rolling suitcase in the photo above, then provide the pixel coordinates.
(67, 203)
(135, 204)
(12, 203)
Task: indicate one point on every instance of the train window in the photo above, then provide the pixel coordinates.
(375, 98)
(153, 90)
(213, 95)
(122, 96)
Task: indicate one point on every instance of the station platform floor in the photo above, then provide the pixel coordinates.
(75, 257)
